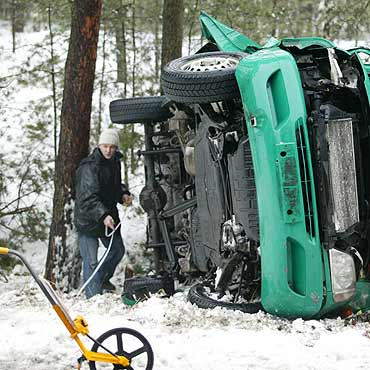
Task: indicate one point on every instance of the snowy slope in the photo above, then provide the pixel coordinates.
(182, 336)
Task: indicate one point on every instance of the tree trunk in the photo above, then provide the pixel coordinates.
(134, 51)
(53, 83)
(192, 21)
(132, 147)
(172, 30)
(18, 19)
(62, 265)
(157, 52)
(121, 52)
(101, 86)
(13, 17)
(172, 34)
(122, 74)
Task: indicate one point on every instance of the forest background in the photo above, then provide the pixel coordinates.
(136, 39)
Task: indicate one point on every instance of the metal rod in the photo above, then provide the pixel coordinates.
(159, 245)
(150, 181)
(100, 345)
(32, 272)
(179, 208)
(158, 151)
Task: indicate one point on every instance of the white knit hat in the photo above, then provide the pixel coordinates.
(109, 136)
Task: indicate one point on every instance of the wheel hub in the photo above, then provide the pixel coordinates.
(120, 367)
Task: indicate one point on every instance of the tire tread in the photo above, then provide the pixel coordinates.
(139, 110)
(198, 297)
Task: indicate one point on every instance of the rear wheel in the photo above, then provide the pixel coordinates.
(139, 110)
(140, 288)
(202, 78)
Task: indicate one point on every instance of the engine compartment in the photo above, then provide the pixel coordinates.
(337, 107)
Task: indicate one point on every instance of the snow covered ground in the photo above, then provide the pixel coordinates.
(182, 336)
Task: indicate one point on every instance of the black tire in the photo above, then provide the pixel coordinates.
(139, 288)
(197, 295)
(185, 84)
(139, 110)
(143, 347)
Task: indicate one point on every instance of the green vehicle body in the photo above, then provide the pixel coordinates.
(296, 279)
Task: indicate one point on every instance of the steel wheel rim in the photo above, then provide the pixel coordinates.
(210, 63)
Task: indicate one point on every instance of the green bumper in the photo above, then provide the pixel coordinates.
(291, 253)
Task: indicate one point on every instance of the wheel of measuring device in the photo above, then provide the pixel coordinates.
(124, 342)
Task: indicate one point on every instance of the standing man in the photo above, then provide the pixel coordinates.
(98, 190)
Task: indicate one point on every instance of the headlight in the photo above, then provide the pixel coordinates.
(343, 275)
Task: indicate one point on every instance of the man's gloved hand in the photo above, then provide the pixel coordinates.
(109, 222)
(127, 199)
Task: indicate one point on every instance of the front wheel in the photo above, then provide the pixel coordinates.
(204, 297)
(124, 342)
(202, 78)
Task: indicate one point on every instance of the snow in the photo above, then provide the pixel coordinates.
(181, 335)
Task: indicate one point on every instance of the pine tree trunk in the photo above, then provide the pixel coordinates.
(53, 83)
(122, 75)
(101, 86)
(62, 265)
(192, 21)
(121, 53)
(157, 45)
(132, 151)
(13, 18)
(124, 50)
(172, 31)
(157, 10)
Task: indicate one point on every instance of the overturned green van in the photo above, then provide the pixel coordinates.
(257, 173)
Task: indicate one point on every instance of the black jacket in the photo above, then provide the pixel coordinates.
(98, 190)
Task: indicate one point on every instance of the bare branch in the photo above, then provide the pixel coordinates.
(17, 199)
(17, 211)
(16, 231)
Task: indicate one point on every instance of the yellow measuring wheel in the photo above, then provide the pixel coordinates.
(119, 348)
